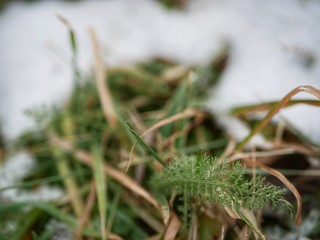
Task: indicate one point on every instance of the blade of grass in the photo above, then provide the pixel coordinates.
(72, 37)
(285, 181)
(194, 228)
(100, 77)
(164, 206)
(70, 184)
(250, 219)
(146, 216)
(274, 110)
(173, 227)
(173, 140)
(245, 110)
(178, 104)
(113, 209)
(112, 172)
(47, 180)
(146, 146)
(189, 112)
(210, 145)
(108, 105)
(74, 47)
(52, 211)
(100, 182)
(185, 114)
(86, 215)
(28, 221)
(69, 128)
(45, 235)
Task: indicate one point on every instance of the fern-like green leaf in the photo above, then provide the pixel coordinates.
(219, 182)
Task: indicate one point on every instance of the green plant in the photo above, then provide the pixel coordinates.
(220, 182)
(79, 149)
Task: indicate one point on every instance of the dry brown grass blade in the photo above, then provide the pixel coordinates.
(184, 114)
(298, 148)
(64, 20)
(273, 111)
(112, 172)
(262, 154)
(175, 73)
(100, 77)
(173, 227)
(286, 182)
(86, 215)
(247, 110)
(229, 149)
(170, 140)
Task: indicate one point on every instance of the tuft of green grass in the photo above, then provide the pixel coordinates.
(143, 96)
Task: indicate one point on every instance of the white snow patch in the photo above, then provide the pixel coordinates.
(15, 168)
(274, 48)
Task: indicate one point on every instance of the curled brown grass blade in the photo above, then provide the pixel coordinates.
(298, 148)
(243, 111)
(285, 181)
(273, 111)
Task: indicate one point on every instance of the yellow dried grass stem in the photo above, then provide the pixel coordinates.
(100, 77)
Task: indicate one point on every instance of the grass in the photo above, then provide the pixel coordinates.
(127, 136)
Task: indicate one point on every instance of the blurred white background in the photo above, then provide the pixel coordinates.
(274, 48)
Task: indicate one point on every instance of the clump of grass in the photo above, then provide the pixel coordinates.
(141, 96)
(87, 150)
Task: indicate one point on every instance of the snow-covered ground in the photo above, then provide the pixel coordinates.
(274, 48)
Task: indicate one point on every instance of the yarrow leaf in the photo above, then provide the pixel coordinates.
(220, 182)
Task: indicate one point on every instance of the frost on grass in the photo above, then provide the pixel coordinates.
(219, 182)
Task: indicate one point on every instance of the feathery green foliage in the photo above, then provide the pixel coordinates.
(219, 182)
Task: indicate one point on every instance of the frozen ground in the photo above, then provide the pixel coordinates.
(274, 48)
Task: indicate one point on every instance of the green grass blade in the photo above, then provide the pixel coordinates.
(30, 219)
(47, 180)
(113, 208)
(100, 181)
(70, 183)
(249, 219)
(177, 104)
(146, 146)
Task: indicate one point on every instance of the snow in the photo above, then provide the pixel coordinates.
(15, 168)
(274, 48)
